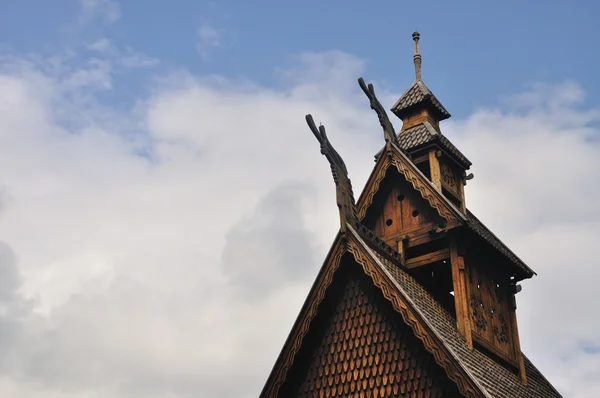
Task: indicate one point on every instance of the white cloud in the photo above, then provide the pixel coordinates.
(108, 10)
(133, 59)
(209, 39)
(174, 272)
(126, 57)
(102, 45)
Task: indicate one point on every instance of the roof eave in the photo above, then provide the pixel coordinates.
(440, 112)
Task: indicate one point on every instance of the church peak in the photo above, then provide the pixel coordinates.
(418, 101)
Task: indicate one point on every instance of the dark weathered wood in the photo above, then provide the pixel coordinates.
(515, 334)
(343, 185)
(489, 305)
(389, 132)
(428, 258)
(434, 167)
(361, 347)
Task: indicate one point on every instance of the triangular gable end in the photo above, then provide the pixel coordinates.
(393, 157)
(360, 344)
(309, 337)
(398, 210)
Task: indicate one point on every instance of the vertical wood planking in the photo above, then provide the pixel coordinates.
(434, 164)
(460, 292)
(515, 338)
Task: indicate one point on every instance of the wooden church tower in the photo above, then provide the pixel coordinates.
(416, 297)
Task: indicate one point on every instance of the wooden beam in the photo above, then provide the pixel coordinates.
(420, 159)
(434, 165)
(425, 238)
(461, 193)
(400, 247)
(461, 296)
(413, 232)
(428, 258)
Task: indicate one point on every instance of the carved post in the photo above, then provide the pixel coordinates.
(434, 166)
(461, 295)
(515, 336)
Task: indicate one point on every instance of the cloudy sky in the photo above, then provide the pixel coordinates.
(164, 209)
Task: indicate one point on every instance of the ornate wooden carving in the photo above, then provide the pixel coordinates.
(450, 179)
(419, 182)
(343, 185)
(389, 132)
(461, 291)
(489, 310)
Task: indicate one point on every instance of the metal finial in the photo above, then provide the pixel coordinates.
(417, 56)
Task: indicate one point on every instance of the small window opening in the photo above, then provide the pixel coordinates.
(388, 222)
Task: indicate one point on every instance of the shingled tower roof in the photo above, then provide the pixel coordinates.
(418, 94)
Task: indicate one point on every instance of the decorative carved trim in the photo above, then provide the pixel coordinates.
(414, 177)
(372, 186)
(390, 292)
(431, 343)
(389, 132)
(343, 185)
(449, 179)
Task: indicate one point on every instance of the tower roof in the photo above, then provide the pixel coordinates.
(425, 134)
(418, 95)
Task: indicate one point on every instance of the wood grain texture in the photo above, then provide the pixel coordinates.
(461, 294)
(489, 309)
(395, 158)
(434, 167)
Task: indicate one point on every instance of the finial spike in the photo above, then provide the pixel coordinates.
(417, 57)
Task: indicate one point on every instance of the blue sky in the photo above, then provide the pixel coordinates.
(482, 50)
(164, 209)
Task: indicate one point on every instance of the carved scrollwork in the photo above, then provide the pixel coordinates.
(501, 330)
(343, 185)
(389, 132)
(477, 313)
(449, 178)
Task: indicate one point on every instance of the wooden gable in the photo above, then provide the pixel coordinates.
(360, 346)
(350, 285)
(393, 158)
(399, 210)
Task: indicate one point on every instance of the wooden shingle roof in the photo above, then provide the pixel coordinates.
(494, 380)
(418, 94)
(424, 134)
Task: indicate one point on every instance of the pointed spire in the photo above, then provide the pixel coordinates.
(417, 56)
